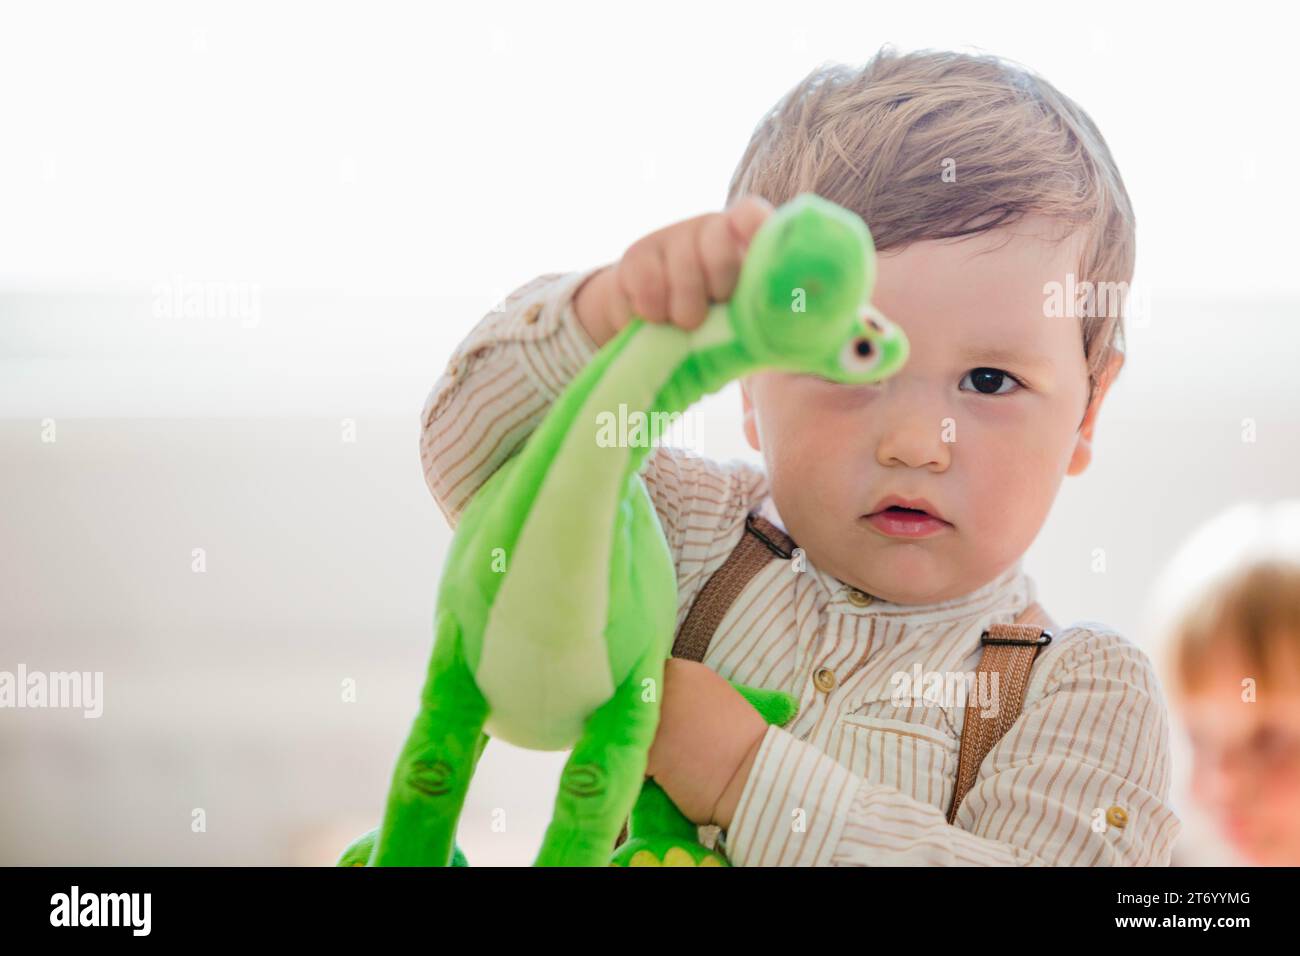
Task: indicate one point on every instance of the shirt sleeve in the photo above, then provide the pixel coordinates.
(500, 382)
(498, 385)
(1080, 779)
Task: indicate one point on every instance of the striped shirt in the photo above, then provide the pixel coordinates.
(865, 772)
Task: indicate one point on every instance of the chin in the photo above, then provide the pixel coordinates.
(913, 578)
(907, 588)
(932, 596)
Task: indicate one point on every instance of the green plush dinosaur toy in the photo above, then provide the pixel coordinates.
(557, 602)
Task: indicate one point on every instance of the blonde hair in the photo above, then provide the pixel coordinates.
(877, 140)
(1234, 585)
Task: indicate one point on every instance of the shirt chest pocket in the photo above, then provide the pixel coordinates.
(919, 759)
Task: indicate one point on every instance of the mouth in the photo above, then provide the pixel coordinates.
(906, 518)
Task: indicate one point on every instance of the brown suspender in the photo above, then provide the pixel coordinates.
(761, 542)
(1009, 649)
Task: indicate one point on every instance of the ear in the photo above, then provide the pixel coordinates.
(1082, 456)
(747, 407)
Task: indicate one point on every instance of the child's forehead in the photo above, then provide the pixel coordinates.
(991, 287)
(1032, 249)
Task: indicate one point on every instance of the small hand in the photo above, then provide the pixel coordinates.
(706, 742)
(673, 274)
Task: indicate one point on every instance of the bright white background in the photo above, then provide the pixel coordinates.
(382, 173)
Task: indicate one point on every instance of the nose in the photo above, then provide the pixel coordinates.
(915, 429)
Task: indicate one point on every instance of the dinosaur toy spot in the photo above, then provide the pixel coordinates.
(432, 777)
(676, 856)
(584, 780)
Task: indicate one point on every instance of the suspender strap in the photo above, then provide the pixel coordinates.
(1009, 651)
(761, 542)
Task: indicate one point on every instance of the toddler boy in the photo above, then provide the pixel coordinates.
(912, 501)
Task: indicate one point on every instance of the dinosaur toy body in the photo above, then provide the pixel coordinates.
(557, 602)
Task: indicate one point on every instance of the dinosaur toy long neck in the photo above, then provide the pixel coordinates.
(702, 362)
(648, 368)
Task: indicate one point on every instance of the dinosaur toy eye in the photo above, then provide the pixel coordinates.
(859, 355)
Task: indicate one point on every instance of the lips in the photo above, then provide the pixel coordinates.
(900, 517)
(906, 504)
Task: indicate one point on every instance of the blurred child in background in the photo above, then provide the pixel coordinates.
(1230, 613)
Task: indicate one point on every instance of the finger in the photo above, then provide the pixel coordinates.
(645, 280)
(592, 298)
(745, 215)
(618, 307)
(687, 289)
(721, 255)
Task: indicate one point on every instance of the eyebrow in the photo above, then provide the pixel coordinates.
(998, 354)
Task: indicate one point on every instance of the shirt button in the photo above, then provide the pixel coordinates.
(1117, 817)
(533, 312)
(824, 679)
(860, 598)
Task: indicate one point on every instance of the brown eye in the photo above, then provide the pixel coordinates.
(991, 381)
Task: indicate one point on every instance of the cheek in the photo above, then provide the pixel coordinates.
(1010, 474)
(1032, 438)
(809, 441)
(809, 474)
(818, 455)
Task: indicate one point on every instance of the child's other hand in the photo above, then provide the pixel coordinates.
(674, 274)
(705, 745)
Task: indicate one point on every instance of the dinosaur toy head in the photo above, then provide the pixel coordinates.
(803, 299)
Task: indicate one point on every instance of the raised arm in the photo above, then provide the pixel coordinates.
(502, 379)
(498, 385)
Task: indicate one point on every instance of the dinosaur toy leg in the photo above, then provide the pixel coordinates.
(357, 853)
(434, 769)
(604, 773)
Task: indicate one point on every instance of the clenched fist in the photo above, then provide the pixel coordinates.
(674, 274)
